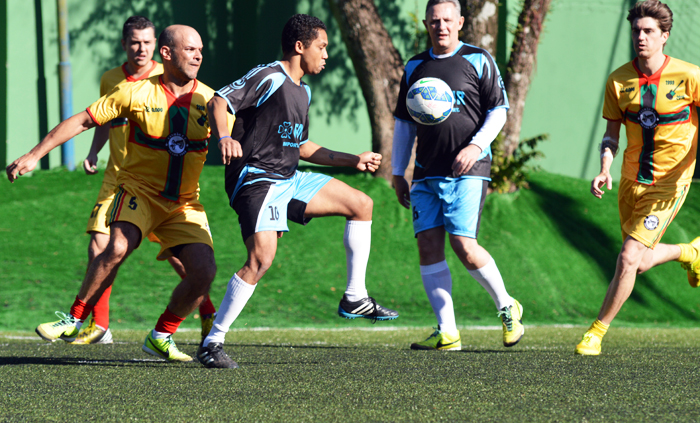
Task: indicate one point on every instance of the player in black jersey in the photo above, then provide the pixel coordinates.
(452, 170)
(271, 105)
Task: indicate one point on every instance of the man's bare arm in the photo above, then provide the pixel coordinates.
(65, 130)
(218, 120)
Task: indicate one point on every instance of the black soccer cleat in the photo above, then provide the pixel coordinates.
(367, 308)
(214, 357)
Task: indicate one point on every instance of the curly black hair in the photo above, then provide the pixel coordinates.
(302, 28)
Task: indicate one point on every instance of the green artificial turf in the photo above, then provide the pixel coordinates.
(555, 245)
(358, 375)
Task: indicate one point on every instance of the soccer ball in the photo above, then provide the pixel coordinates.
(429, 101)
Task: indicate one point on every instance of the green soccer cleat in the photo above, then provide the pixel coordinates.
(439, 341)
(164, 348)
(694, 267)
(589, 345)
(92, 334)
(207, 324)
(513, 329)
(62, 329)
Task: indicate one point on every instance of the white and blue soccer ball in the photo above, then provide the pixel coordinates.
(429, 101)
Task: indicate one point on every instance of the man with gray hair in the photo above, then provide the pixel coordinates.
(452, 170)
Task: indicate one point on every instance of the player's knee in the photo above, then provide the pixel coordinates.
(362, 206)
(117, 251)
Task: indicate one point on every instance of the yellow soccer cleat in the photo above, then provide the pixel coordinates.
(164, 348)
(92, 334)
(694, 267)
(512, 318)
(439, 341)
(589, 345)
(62, 329)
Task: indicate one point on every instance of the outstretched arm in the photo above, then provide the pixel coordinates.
(314, 153)
(65, 130)
(99, 139)
(218, 120)
(608, 150)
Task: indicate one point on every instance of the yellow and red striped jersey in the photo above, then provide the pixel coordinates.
(660, 120)
(168, 136)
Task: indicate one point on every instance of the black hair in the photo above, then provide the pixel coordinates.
(302, 28)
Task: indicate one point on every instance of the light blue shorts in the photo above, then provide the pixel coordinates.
(267, 204)
(455, 204)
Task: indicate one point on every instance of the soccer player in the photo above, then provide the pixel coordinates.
(157, 186)
(452, 170)
(139, 43)
(655, 97)
(271, 104)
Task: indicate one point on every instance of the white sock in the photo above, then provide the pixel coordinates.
(490, 278)
(159, 335)
(238, 292)
(357, 240)
(437, 282)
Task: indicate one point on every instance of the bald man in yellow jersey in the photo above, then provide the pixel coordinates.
(655, 97)
(157, 185)
(138, 42)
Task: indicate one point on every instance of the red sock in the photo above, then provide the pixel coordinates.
(206, 307)
(80, 309)
(168, 322)
(101, 310)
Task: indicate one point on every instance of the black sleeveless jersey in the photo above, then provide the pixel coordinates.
(272, 122)
(478, 88)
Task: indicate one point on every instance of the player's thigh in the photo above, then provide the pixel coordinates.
(136, 207)
(463, 202)
(183, 226)
(262, 206)
(97, 223)
(654, 210)
(426, 208)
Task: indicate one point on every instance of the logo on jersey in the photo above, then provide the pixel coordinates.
(176, 144)
(648, 118)
(202, 119)
(627, 90)
(672, 93)
(651, 222)
(153, 109)
(286, 130)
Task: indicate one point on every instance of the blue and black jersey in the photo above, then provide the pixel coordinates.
(478, 88)
(272, 122)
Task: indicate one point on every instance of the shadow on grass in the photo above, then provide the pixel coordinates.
(589, 238)
(76, 361)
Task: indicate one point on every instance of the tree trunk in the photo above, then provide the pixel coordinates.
(480, 23)
(378, 67)
(520, 67)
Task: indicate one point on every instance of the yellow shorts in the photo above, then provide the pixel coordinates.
(98, 218)
(647, 210)
(172, 223)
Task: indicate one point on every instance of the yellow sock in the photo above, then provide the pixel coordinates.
(688, 253)
(599, 328)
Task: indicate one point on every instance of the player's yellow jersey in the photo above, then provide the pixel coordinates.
(119, 127)
(168, 136)
(660, 119)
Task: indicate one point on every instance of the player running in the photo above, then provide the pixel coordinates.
(271, 104)
(452, 170)
(139, 43)
(655, 97)
(157, 185)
